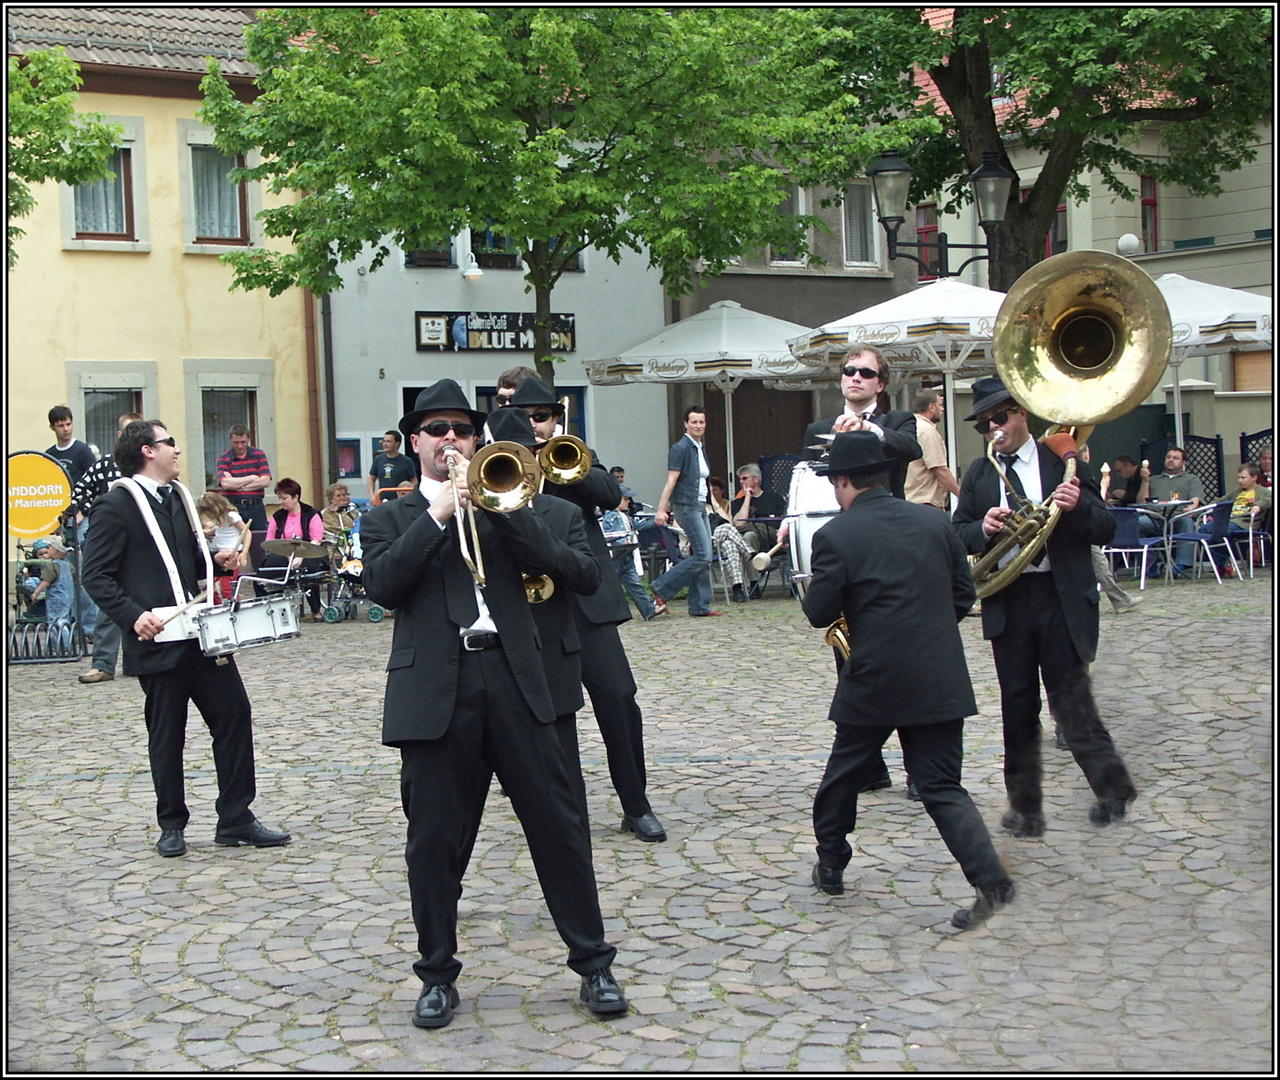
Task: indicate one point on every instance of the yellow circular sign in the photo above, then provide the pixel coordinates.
(39, 491)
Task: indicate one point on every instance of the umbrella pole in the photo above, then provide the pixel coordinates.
(728, 436)
(1175, 364)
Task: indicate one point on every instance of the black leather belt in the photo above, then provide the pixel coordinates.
(479, 642)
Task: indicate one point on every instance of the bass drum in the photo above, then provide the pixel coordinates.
(811, 505)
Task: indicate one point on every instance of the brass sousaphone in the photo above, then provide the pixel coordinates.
(1081, 338)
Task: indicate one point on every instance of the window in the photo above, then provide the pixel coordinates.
(575, 263)
(927, 233)
(492, 249)
(102, 410)
(348, 462)
(104, 208)
(792, 204)
(1150, 214)
(1056, 241)
(859, 226)
(219, 409)
(221, 210)
(420, 258)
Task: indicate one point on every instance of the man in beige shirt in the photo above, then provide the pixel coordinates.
(929, 480)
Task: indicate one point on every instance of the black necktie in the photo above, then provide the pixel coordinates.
(459, 586)
(1015, 481)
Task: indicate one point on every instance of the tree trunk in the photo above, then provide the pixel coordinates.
(539, 276)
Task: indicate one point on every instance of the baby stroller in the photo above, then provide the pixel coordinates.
(34, 636)
(345, 591)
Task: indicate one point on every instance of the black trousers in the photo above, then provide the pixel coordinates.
(443, 783)
(1036, 644)
(932, 753)
(606, 674)
(216, 690)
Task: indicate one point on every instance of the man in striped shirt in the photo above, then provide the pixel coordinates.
(243, 474)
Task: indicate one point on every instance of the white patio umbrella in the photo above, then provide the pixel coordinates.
(722, 345)
(1210, 319)
(943, 326)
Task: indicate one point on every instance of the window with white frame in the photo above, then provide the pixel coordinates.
(792, 203)
(858, 211)
(221, 210)
(111, 214)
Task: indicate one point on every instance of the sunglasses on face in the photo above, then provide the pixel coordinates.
(542, 416)
(865, 372)
(438, 429)
(170, 441)
(983, 426)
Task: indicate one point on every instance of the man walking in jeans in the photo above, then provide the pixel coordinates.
(685, 493)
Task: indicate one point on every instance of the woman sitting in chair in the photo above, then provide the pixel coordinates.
(296, 520)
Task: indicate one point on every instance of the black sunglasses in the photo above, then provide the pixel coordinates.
(170, 441)
(865, 372)
(542, 415)
(438, 429)
(983, 426)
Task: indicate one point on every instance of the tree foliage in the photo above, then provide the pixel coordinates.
(47, 139)
(1077, 85)
(613, 128)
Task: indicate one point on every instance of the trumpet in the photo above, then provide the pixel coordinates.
(564, 459)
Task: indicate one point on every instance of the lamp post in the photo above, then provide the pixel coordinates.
(890, 183)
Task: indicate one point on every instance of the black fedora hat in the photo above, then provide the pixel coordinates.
(445, 394)
(987, 392)
(512, 425)
(535, 392)
(855, 452)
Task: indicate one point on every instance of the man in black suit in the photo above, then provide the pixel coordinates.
(467, 697)
(863, 378)
(1045, 623)
(605, 669)
(898, 575)
(126, 575)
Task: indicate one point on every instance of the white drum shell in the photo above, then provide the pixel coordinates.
(811, 505)
(245, 624)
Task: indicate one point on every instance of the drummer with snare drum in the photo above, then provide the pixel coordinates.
(148, 555)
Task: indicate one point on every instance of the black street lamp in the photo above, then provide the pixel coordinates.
(890, 182)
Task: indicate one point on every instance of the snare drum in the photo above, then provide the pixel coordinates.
(811, 505)
(244, 624)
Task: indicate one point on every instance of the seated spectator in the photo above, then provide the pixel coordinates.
(623, 546)
(53, 582)
(1175, 484)
(719, 512)
(339, 515)
(1121, 601)
(620, 475)
(1264, 465)
(296, 520)
(1250, 500)
(1126, 479)
(738, 539)
(224, 530)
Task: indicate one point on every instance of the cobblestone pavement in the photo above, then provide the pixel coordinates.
(1142, 946)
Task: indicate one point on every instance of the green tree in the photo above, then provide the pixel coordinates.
(563, 129)
(47, 139)
(1078, 85)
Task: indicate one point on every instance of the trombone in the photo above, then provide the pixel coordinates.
(502, 477)
(564, 459)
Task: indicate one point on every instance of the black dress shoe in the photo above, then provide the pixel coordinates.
(912, 793)
(435, 1006)
(739, 595)
(601, 993)
(984, 907)
(1023, 824)
(876, 785)
(255, 834)
(646, 826)
(171, 844)
(830, 879)
(1105, 811)
(1059, 739)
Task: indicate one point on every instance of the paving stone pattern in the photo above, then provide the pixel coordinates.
(1142, 946)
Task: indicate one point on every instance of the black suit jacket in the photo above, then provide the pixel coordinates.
(898, 574)
(598, 490)
(1070, 561)
(899, 428)
(561, 646)
(125, 576)
(405, 554)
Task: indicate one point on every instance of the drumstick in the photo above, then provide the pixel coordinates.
(762, 559)
(189, 604)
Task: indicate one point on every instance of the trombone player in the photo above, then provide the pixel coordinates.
(898, 576)
(466, 697)
(1045, 622)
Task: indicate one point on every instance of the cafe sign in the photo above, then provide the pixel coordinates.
(493, 331)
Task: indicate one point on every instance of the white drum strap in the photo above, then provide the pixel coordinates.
(146, 506)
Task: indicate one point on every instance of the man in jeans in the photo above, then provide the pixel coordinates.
(686, 493)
